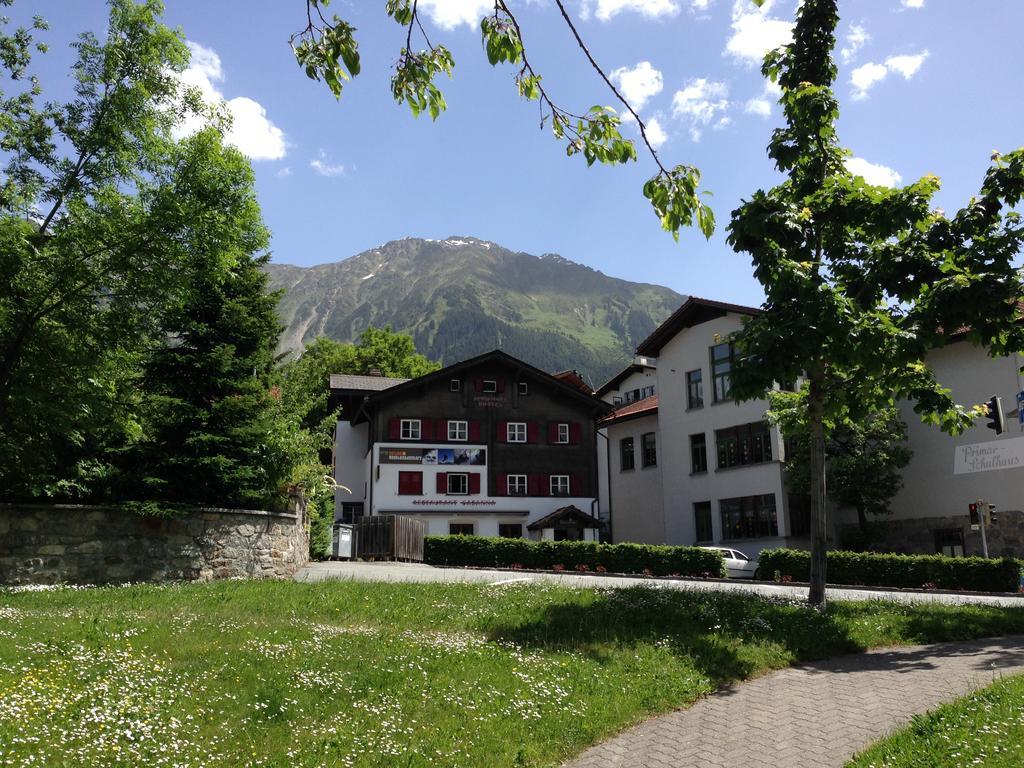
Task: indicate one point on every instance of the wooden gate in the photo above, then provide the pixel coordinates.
(390, 537)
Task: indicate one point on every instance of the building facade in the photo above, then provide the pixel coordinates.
(488, 446)
(705, 469)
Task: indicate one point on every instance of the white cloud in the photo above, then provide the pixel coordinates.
(286, 171)
(638, 84)
(879, 175)
(866, 76)
(758, 106)
(605, 10)
(913, 3)
(655, 133)
(325, 168)
(701, 102)
(856, 36)
(907, 65)
(448, 14)
(251, 131)
(755, 31)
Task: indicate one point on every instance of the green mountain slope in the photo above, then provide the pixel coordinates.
(462, 296)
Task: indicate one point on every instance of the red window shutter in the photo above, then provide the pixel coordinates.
(410, 483)
(426, 429)
(501, 385)
(394, 429)
(474, 431)
(538, 485)
(478, 384)
(502, 436)
(474, 482)
(417, 483)
(532, 432)
(575, 434)
(575, 485)
(552, 432)
(442, 482)
(501, 488)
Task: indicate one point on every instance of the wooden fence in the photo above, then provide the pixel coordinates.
(390, 537)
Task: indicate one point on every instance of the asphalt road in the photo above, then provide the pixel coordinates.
(419, 573)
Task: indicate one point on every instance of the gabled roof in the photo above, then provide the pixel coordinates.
(621, 376)
(363, 383)
(495, 355)
(573, 377)
(694, 310)
(646, 407)
(569, 513)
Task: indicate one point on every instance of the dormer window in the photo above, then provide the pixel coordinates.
(490, 387)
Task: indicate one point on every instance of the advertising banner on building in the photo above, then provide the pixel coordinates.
(466, 457)
(986, 457)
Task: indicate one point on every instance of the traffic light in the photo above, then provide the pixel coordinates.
(973, 508)
(992, 514)
(994, 413)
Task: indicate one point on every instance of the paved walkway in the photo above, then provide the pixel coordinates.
(415, 572)
(813, 716)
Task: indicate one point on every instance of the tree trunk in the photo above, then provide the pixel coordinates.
(819, 523)
(862, 518)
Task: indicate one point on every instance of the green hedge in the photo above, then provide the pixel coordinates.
(489, 552)
(884, 570)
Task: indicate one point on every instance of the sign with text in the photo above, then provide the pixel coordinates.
(986, 457)
(465, 457)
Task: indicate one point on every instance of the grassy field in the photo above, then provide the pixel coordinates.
(354, 674)
(985, 729)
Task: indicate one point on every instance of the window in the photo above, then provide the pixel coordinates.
(516, 431)
(721, 365)
(950, 542)
(458, 430)
(460, 529)
(524, 389)
(749, 517)
(799, 514)
(490, 386)
(626, 460)
(516, 485)
(410, 429)
(745, 444)
(351, 512)
(559, 485)
(616, 400)
(455, 385)
(694, 390)
(698, 454)
(510, 530)
(562, 434)
(702, 519)
(647, 392)
(458, 484)
(410, 483)
(648, 450)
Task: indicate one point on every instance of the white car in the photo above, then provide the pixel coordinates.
(737, 565)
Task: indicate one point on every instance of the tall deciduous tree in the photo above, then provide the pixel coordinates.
(862, 281)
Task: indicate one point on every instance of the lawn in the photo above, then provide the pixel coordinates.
(985, 728)
(356, 674)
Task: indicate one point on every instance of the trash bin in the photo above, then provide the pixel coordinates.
(341, 542)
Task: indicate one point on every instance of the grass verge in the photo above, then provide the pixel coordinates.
(397, 675)
(984, 729)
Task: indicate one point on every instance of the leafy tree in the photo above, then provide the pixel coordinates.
(99, 208)
(329, 51)
(863, 281)
(864, 457)
(207, 412)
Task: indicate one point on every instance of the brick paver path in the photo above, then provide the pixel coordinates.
(815, 715)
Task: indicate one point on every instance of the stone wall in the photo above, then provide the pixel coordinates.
(918, 535)
(52, 544)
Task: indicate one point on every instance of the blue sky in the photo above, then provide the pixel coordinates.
(926, 86)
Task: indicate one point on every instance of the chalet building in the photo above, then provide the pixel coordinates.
(490, 446)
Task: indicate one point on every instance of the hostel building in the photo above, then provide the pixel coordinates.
(490, 446)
